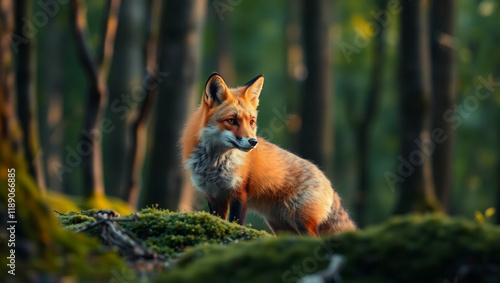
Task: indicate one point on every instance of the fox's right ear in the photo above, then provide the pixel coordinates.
(216, 90)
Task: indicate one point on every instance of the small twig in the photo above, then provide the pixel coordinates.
(89, 226)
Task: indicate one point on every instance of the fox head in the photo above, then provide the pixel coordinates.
(230, 119)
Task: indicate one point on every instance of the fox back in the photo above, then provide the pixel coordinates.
(235, 169)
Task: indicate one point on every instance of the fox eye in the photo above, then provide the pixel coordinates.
(231, 121)
(252, 122)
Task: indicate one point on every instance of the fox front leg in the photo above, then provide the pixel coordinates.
(218, 207)
(238, 208)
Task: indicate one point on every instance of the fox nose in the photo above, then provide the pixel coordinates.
(253, 142)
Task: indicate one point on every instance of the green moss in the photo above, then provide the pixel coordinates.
(171, 233)
(428, 248)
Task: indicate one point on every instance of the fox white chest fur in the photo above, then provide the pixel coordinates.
(213, 168)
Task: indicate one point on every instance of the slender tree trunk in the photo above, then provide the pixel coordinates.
(444, 93)
(316, 136)
(497, 203)
(180, 57)
(417, 191)
(498, 188)
(97, 72)
(225, 63)
(294, 68)
(26, 91)
(364, 125)
(139, 127)
(126, 90)
(51, 130)
(9, 126)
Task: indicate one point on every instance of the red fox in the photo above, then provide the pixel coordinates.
(237, 170)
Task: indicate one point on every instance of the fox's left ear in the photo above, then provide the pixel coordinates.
(254, 87)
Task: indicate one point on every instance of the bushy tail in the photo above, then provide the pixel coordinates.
(338, 220)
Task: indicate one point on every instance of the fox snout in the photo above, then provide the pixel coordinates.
(245, 144)
(253, 142)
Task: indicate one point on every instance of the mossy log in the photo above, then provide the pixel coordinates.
(170, 233)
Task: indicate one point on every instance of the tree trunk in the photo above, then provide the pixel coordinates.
(364, 125)
(294, 68)
(97, 72)
(126, 90)
(416, 193)
(316, 136)
(9, 130)
(496, 74)
(225, 64)
(26, 93)
(180, 57)
(444, 94)
(139, 127)
(51, 83)
(498, 190)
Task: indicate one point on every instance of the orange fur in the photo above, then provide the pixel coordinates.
(289, 192)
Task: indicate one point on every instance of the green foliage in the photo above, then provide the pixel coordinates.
(429, 248)
(171, 233)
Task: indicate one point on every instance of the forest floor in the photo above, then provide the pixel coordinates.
(192, 247)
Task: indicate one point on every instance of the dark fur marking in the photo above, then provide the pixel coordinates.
(252, 81)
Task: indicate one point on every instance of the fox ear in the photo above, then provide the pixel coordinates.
(216, 90)
(254, 87)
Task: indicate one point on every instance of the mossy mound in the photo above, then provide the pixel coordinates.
(170, 233)
(429, 248)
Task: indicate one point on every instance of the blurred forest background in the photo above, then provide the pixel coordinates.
(397, 101)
